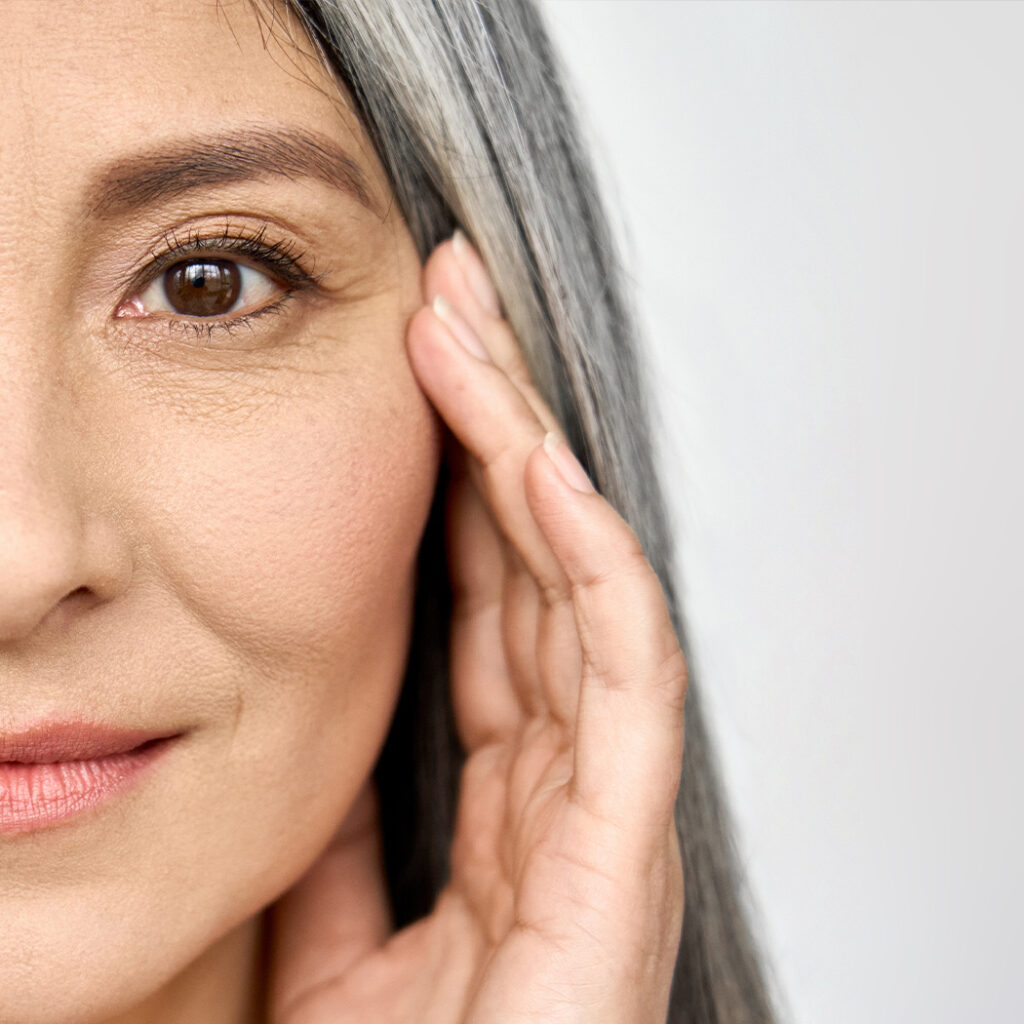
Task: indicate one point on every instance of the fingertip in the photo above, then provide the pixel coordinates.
(589, 537)
(423, 331)
(434, 354)
(566, 464)
(459, 328)
(475, 272)
(558, 505)
(441, 272)
(556, 482)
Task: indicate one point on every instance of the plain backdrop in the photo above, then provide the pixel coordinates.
(822, 211)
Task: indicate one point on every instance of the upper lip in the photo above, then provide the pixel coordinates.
(72, 741)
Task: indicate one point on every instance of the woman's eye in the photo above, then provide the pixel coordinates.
(204, 287)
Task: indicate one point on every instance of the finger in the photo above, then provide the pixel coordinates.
(456, 272)
(492, 420)
(485, 702)
(559, 662)
(540, 644)
(523, 649)
(494, 623)
(520, 614)
(336, 914)
(629, 732)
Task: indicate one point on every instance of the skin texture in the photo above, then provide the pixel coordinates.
(208, 535)
(214, 534)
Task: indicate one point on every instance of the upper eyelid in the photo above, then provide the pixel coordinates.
(289, 263)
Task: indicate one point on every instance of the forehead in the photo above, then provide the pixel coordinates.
(84, 80)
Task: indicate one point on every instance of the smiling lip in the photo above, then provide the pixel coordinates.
(52, 772)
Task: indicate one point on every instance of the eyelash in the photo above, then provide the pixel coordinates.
(282, 262)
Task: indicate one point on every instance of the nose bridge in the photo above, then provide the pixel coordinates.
(57, 536)
(44, 542)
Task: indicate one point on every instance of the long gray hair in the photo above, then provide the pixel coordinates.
(464, 103)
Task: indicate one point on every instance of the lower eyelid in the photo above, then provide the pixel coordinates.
(198, 327)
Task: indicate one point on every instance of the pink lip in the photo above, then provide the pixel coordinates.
(52, 772)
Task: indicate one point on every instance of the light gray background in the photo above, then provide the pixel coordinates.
(826, 229)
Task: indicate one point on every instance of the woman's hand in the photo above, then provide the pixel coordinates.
(566, 894)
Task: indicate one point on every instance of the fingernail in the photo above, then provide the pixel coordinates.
(477, 278)
(461, 331)
(567, 465)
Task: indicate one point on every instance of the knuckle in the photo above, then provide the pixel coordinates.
(496, 462)
(555, 592)
(621, 571)
(671, 678)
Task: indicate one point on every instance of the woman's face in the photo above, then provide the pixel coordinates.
(213, 476)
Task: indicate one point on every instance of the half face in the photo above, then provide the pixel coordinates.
(215, 467)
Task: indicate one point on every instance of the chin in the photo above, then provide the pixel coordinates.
(82, 960)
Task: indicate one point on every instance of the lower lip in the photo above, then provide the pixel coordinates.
(36, 796)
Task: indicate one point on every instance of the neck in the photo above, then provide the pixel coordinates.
(222, 986)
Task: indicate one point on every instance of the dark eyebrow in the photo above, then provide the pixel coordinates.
(142, 179)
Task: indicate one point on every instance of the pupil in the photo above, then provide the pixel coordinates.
(203, 288)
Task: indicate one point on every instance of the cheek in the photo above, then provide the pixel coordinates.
(289, 543)
(296, 536)
(288, 537)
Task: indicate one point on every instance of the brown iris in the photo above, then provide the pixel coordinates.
(203, 288)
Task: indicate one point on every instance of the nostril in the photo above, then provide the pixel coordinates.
(74, 603)
(79, 597)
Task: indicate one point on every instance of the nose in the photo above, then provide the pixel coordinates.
(57, 557)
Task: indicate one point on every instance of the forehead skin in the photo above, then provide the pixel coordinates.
(84, 70)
